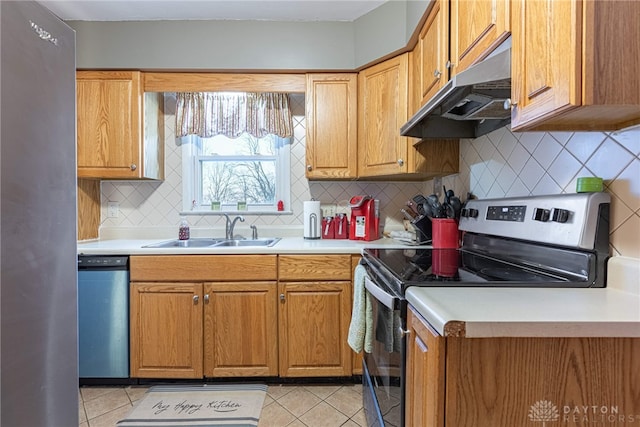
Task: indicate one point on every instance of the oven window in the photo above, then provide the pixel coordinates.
(385, 364)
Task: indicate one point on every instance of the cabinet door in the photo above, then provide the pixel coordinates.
(108, 124)
(331, 113)
(477, 27)
(313, 329)
(166, 330)
(571, 65)
(425, 374)
(240, 329)
(546, 59)
(382, 110)
(433, 43)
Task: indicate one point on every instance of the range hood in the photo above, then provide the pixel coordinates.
(471, 104)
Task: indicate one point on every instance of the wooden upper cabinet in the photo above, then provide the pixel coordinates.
(382, 110)
(120, 128)
(477, 27)
(383, 102)
(432, 53)
(332, 126)
(573, 66)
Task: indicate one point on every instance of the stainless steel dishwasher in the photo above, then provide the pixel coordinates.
(103, 317)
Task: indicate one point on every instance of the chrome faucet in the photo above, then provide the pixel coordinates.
(231, 224)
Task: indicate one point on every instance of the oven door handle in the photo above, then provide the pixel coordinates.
(379, 294)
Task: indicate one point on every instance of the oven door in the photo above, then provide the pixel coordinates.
(383, 368)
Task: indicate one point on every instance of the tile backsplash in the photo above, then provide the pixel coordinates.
(500, 164)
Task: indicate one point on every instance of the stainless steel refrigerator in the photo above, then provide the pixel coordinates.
(38, 284)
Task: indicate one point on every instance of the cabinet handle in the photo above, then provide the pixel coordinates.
(196, 298)
(509, 104)
(133, 166)
(449, 65)
(309, 168)
(282, 297)
(437, 74)
(400, 162)
(206, 298)
(403, 332)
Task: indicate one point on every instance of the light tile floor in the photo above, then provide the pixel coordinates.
(286, 405)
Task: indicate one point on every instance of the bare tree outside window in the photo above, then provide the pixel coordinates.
(241, 169)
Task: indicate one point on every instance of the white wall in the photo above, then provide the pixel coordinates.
(247, 45)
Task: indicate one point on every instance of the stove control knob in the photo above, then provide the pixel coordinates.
(540, 214)
(473, 213)
(560, 215)
(464, 213)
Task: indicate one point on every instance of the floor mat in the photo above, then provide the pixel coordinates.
(232, 405)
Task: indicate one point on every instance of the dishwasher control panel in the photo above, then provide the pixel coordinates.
(102, 261)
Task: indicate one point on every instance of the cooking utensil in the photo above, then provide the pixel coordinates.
(412, 207)
(449, 211)
(426, 208)
(419, 200)
(448, 194)
(451, 205)
(436, 208)
(456, 204)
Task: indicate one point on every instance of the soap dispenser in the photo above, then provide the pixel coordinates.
(183, 231)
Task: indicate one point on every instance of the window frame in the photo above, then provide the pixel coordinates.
(192, 180)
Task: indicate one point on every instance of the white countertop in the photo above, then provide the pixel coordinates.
(287, 245)
(613, 311)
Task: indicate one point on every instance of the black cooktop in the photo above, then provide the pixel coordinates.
(401, 268)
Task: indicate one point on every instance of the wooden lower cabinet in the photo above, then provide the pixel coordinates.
(424, 405)
(241, 329)
(313, 329)
(166, 330)
(185, 324)
(314, 315)
(190, 319)
(458, 381)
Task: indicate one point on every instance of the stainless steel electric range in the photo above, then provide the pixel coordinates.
(540, 241)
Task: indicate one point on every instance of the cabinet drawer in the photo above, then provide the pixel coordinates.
(210, 268)
(314, 267)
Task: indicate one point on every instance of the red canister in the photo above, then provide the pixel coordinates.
(341, 226)
(444, 233)
(328, 228)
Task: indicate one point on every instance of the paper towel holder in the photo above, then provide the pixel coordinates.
(312, 220)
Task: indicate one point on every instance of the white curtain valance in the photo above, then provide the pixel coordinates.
(207, 114)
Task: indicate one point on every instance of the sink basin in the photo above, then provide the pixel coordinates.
(205, 242)
(247, 242)
(196, 242)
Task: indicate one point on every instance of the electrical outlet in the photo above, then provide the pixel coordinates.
(113, 209)
(328, 209)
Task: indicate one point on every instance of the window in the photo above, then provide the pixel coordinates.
(229, 171)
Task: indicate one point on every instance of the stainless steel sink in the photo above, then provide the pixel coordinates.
(248, 242)
(195, 242)
(205, 242)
